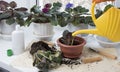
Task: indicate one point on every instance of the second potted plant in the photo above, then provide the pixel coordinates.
(10, 15)
(42, 19)
(70, 46)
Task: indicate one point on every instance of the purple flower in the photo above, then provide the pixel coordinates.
(45, 10)
(48, 5)
(69, 5)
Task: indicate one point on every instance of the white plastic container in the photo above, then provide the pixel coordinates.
(18, 41)
(105, 43)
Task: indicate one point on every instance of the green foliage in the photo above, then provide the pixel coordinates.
(72, 15)
(10, 21)
(45, 57)
(107, 7)
(45, 15)
(67, 38)
(12, 14)
(100, 12)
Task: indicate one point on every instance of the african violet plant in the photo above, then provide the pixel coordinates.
(47, 57)
(12, 14)
(45, 15)
(74, 15)
(68, 39)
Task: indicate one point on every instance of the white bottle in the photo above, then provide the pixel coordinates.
(18, 41)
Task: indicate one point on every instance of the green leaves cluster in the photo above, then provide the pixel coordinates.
(46, 60)
(45, 57)
(39, 16)
(100, 12)
(71, 15)
(11, 14)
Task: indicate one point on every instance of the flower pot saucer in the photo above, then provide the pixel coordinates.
(6, 37)
(43, 37)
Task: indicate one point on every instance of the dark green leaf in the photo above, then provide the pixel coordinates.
(10, 21)
(69, 10)
(28, 20)
(35, 9)
(5, 15)
(57, 4)
(107, 7)
(65, 33)
(98, 13)
(18, 14)
(21, 22)
(21, 9)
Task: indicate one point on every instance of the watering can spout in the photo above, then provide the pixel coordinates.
(87, 31)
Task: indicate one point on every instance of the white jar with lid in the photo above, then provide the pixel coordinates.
(18, 41)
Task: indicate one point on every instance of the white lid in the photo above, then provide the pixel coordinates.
(17, 27)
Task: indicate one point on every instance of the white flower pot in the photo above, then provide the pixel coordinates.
(43, 30)
(0, 26)
(72, 28)
(7, 29)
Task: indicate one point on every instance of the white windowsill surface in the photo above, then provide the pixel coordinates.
(4, 45)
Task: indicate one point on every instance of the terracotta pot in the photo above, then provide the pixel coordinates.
(73, 51)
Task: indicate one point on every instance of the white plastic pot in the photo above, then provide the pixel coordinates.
(43, 31)
(72, 28)
(104, 42)
(6, 28)
(0, 26)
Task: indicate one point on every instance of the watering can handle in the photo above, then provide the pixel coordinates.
(92, 12)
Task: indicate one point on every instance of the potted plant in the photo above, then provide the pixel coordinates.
(10, 15)
(46, 57)
(70, 46)
(72, 17)
(43, 19)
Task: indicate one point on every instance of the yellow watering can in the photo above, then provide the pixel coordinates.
(107, 25)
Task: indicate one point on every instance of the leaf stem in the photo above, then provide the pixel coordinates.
(72, 41)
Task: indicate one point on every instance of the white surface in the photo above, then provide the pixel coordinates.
(4, 45)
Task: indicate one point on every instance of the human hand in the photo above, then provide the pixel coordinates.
(99, 1)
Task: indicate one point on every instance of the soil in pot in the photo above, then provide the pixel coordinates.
(70, 46)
